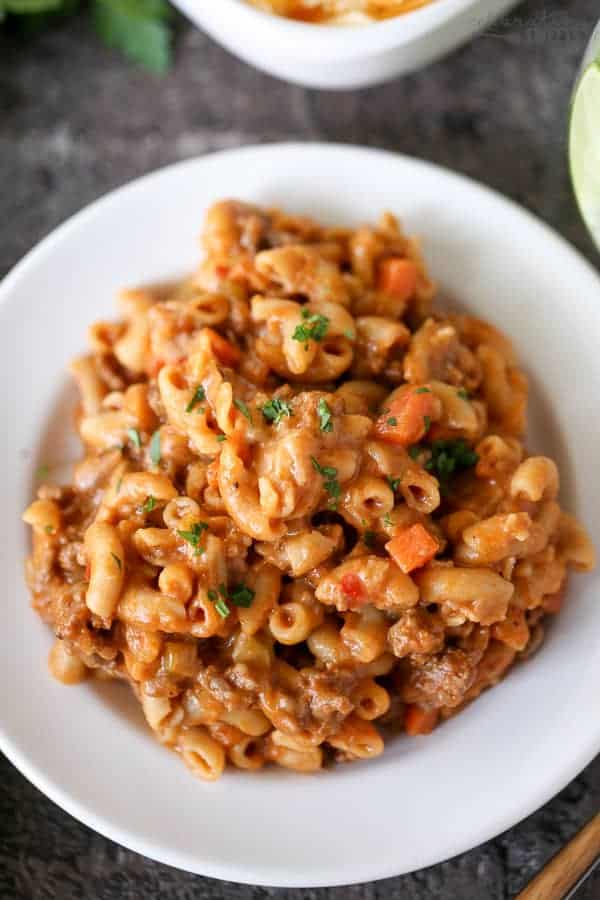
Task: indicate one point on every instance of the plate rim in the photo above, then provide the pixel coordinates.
(258, 874)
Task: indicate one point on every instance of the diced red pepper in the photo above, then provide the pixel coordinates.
(353, 589)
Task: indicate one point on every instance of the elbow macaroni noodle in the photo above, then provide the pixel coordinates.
(305, 512)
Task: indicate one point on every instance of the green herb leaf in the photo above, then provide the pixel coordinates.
(243, 409)
(117, 560)
(149, 505)
(427, 423)
(241, 595)
(369, 538)
(274, 410)
(49, 529)
(331, 484)
(449, 457)
(220, 604)
(348, 333)
(138, 28)
(313, 328)
(463, 394)
(394, 483)
(325, 420)
(423, 390)
(222, 608)
(392, 421)
(193, 536)
(134, 437)
(199, 396)
(414, 451)
(221, 438)
(155, 447)
(42, 471)
(387, 519)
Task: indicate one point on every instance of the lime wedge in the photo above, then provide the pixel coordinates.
(584, 138)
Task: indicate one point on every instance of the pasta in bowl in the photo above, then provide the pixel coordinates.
(305, 516)
(339, 12)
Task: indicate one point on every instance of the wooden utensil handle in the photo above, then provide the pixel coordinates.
(564, 869)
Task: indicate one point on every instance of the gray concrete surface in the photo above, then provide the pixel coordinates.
(77, 120)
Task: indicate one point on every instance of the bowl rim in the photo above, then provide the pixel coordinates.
(341, 40)
(65, 797)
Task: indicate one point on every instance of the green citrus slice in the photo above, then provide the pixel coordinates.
(584, 138)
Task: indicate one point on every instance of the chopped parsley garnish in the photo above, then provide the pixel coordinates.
(117, 560)
(49, 529)
(427, 423)
(414, 451)
(369, 538)
(243, 409)
(149, 504)
(331, 484)
(313, 328)
(219, 601)
(241, 595)
(348, 333)
(155, 447)
(463, 394)
(43, 471)
(392, 421)
(394, 483)
(450, 457)
(221, 438)
(199, 396)
(387, 519)
(423, 390)
(134, 437)
(193, 536)
(274, 410)
(222, 608)
(325, 420)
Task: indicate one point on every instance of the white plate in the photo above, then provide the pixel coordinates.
(427, 798)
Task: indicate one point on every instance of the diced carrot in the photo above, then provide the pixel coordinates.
(408, 418)
(412, 548)
(354, 590)
(398, 277)
(226, 352)
(418, 720)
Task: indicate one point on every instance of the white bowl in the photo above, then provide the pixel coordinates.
(340, 56)
(427, 798)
